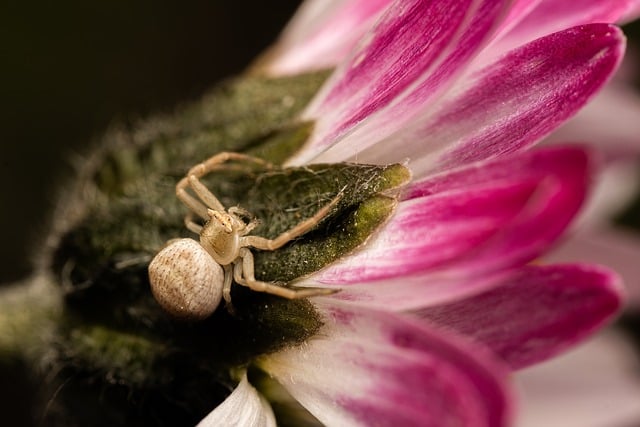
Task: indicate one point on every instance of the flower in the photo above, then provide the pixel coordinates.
(443, 301)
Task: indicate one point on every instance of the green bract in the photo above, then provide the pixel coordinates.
(111, 334)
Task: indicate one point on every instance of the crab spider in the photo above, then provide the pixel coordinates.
(189, 279)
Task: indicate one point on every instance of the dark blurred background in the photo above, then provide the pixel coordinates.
(69, 69)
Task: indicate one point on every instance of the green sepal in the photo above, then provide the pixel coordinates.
(105, 256)
(114, 340)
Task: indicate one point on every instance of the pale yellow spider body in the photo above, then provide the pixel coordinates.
(189, 279)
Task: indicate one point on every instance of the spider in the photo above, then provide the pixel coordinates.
(189, 279)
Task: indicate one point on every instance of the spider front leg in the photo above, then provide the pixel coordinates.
(192, 180)
(212, 162)
(244, 214)
(293, 233)
(189, 222)
(243, 274)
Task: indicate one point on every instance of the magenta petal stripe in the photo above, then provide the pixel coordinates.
(402, 46)
(376, 368)
(421, 43)
(512, 104)
(537, 313)
(577, 63)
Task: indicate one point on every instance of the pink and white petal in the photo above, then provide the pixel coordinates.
(595, 385)
(321, 34)
(550, 16)
(244, 407)
(610, 121)
(417, 290)
(427, 232)
(521, 166)
(538, 313)
(377, 368)
(414, 52)
(511, 104)
(479, 219)
(614, 248)
(524, 238)
(539, 225)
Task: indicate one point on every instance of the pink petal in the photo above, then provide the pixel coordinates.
(416, 291)
(617, 249)
(545, 219)
(533, 164)
(487, 216)
(429, 231)
(538, 313)
(610, 120)
(244, 407)
(321, 34)
(414, 51)
(511, 104)
(550, 16)
(376, 368)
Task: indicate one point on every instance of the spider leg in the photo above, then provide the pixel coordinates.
(192, 203)
(204, 194)
(297, 231)
(253, 224)
(244, 214)
(226, 287)
(191, 224)
(211, 163)
(192, 180)
(243, 273)
(238, 211)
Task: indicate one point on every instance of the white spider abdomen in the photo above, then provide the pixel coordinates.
(185, 280)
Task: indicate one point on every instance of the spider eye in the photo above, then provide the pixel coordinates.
(223, 219)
